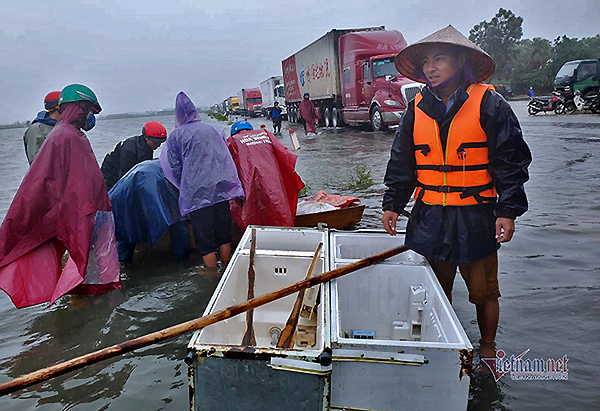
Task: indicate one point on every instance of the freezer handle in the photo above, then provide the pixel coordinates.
(379, 357)
(306, 367)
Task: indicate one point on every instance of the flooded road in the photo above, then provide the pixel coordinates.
(549, 279)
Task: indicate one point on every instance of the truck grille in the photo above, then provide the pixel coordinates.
(409, 91)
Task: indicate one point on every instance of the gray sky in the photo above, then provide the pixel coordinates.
(137, 54)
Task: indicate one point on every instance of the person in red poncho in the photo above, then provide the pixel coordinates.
(62, 204)
(308, 113)
(266, 169)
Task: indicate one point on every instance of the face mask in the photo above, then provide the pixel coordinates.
(89, 123)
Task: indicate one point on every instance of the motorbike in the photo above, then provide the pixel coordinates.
(556, 104)
(578, 102)
(587, 102)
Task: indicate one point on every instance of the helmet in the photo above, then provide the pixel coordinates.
(79, 92)
(51, 100)
(155, 131)
(306, 93)
(239, 126)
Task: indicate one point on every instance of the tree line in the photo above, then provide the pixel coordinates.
(522, 63)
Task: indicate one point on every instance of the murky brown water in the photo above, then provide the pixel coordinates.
(549, 278)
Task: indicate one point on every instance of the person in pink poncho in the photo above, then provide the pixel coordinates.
(62, 204)
(308, 113)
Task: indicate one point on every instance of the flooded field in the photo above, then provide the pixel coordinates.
(549, 279)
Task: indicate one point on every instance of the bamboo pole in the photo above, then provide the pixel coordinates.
(288, 335)
(192, 325)
(249, 339)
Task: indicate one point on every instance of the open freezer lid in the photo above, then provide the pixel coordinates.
(396, 302)
(282, 257)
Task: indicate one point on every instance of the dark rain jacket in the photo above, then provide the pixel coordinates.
(124, 155)
(276, 114)
(460, 233)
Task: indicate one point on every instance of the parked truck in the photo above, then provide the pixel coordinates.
(582, 75)
(273, 90)
(250, 101)
(351, 77)
(233, 105)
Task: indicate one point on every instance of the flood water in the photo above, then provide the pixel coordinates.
(549, 280)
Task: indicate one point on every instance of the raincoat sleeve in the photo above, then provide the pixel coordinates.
(400, 176)
(509, 155)
(175, 162)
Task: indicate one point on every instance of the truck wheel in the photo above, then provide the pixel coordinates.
(377, 120)
(327, 117)
(336, 120)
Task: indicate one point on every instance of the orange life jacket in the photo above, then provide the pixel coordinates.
(459, 176)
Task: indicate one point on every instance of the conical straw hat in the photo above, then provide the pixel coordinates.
(408, 61)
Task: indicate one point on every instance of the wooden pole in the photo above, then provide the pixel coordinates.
(249, 339)
(192, 325)
(288, 335)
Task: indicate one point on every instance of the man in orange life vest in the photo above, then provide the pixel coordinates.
(459, 147)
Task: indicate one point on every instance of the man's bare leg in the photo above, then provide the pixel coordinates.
(210, 260)
(487, 319)
(225, 253)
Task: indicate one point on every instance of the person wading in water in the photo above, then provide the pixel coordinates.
(460, 149)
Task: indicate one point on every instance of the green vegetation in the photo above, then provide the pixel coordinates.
(165, 112)
(217, 116)
(305, 191)
(521, 63)
(16, 124)
(360, 177)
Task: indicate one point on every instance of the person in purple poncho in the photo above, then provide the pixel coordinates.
(197, 161)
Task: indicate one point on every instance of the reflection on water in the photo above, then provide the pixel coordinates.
(548, 279)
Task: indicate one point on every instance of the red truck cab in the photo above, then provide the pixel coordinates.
(250, 101)
(372, 89)
(351, 78)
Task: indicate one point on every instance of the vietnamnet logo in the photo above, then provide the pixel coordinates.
(521, 368)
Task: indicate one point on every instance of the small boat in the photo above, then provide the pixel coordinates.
(338, 218)
(384, 337)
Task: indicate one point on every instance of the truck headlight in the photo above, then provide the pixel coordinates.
(392, 103)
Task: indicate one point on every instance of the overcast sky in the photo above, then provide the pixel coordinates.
(136, 55)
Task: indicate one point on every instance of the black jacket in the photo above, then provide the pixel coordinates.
(455, 233)
(123, 157)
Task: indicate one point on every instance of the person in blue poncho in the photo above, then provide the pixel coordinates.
(41, 126)
(145, 205)
(196, 160)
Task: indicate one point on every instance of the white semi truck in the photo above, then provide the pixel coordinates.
(272, 91)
